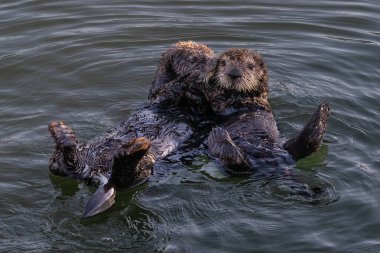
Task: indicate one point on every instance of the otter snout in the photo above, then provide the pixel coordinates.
(234, 73)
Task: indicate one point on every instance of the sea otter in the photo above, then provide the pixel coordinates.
(124, 156)
(193, 62)
(247, 138)
(181, 76)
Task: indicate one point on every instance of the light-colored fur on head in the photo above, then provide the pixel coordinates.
(240, 79)
(196, 60)
(193, 61)
(241, 70)
(184, 65)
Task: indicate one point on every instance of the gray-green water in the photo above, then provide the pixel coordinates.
(91, 63)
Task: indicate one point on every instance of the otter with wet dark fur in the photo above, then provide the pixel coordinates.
(124, 156)
(248, 139)
(182, 75)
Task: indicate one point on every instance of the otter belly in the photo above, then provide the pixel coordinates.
(120, 158)
(248, 142)
(165, 129)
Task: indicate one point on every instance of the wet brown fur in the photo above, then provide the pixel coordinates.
(239, 88)
(182, 67)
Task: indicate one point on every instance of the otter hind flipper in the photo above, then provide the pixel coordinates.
(103, 199)
(65, 158)
(223, 147)
(125, 173)
(310, 137)
(63, 135)
(126, 170)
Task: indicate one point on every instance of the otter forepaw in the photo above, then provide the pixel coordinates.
(222, 146)
(194, 97)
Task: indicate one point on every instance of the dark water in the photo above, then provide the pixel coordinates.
(91, 63)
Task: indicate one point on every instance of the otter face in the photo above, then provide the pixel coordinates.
(196, 61)
(241, 70)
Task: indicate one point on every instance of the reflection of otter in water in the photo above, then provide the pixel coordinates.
(124, 156)
(248, 139)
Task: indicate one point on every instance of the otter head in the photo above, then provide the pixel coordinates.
(194, 61)
(241, 70)
(240, 80)
(181, 66)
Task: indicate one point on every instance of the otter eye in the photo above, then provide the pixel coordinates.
(222, 63)
(250, 65)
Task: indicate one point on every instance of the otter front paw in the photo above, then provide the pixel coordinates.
(222, 146)
(194, 97)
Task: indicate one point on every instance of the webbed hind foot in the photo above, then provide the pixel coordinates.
(127, 170)
(310, 137)
(63, 135)
(64, 160)
(223, 147)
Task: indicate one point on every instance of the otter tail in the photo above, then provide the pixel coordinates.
(128, 170)
(310, 137)
(223, 147)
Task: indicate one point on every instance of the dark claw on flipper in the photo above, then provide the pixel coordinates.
(310, 137)
(102, 199)
(126, 169)
(222, 146)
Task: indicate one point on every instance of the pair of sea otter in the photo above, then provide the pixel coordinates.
(192, 87)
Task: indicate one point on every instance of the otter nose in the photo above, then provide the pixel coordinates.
(234, 73)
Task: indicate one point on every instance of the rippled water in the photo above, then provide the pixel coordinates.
(91, 64)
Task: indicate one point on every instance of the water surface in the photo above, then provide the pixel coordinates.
(91, 65)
